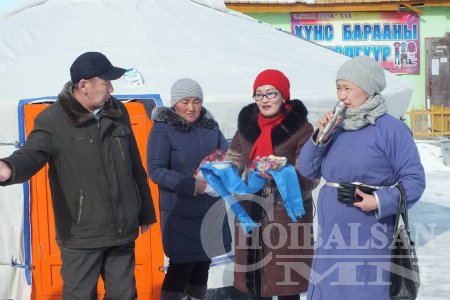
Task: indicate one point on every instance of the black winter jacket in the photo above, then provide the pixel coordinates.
(194, 227)
(99, 187)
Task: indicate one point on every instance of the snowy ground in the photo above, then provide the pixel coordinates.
(431, 217)
(430, 226)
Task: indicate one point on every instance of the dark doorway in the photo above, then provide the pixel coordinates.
(438, 71)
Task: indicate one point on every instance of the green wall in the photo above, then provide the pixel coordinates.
(434, 22)
(277, 20)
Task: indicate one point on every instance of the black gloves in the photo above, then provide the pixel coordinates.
(347, 192)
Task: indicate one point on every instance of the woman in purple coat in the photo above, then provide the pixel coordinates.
(368, 147)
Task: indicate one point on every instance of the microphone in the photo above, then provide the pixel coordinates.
(339, 109)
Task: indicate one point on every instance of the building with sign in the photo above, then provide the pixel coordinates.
(410, 38)
(392, 38)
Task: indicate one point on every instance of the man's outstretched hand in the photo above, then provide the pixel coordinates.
(5, 171)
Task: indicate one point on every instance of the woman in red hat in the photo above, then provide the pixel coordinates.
(275, 259)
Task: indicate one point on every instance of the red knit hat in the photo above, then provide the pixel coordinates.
(276, 79)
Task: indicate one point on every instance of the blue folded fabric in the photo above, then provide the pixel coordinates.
(226, 181)
(287, 184)
(247, 224)
(232, 182)
(214, 179)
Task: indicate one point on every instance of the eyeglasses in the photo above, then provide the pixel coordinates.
(269, 95)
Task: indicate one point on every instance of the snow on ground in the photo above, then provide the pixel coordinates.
(430, 218)
(430, 227)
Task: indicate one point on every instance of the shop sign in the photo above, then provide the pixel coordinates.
(392, 38)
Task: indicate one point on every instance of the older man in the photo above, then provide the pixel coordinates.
(99, 187)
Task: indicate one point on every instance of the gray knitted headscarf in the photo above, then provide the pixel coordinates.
(367, 74)
(185, 88)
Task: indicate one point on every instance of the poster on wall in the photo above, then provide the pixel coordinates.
(392, 38)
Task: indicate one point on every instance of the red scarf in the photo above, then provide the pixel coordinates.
(263, 145)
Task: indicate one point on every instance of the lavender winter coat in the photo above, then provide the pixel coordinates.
(352, 252)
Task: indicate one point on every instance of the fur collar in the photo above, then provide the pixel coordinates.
(295, 119)
(77, 114)
(169, 116)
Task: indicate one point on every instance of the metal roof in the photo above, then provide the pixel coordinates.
(263, 1)
(311, 1)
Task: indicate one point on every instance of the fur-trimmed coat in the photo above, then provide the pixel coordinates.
(99, 186)
(190, 225)
(287, 247)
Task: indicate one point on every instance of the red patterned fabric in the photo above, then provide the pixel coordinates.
(216, 155)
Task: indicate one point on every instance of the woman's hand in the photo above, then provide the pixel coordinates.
(368, 202)
(265, 175)
(200, 186)
(322, 123)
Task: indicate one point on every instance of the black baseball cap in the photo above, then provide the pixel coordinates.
(94, 64)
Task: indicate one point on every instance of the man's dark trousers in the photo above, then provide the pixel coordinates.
(81, 269)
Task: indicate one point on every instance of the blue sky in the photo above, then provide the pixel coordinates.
(7, 4)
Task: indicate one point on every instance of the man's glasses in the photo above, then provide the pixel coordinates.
(269, 95)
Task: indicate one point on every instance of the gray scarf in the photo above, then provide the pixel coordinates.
(357, 118)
